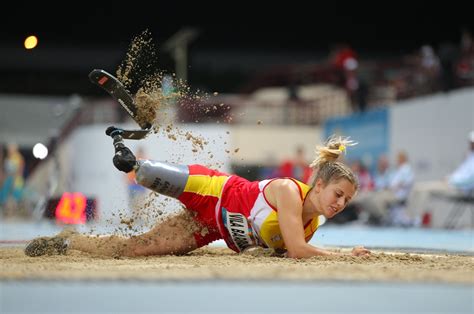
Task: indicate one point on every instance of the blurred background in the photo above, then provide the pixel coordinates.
(275, 81)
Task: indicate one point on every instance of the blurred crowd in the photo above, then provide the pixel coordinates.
(425, 71)
(343, 81)
(12, 179)
(391, 195)
(397, 198)
(372, 81)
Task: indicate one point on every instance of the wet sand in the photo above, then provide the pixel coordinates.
(222, 263)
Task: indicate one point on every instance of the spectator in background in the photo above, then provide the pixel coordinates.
(463, 177)
(403, 177)
(362, 94)
(368, 204)
(386, 204)
(429, 59)
(346, 62)
(343, 57)
(401, 184)
(467, 46)
(459, 182)
(366, 182)
(429, 69)
(12, 188)
(293, 95)
(465, 64)
(297, 167)
(383, 174)
(448, 55)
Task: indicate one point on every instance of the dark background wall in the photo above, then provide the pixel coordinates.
(236, 40)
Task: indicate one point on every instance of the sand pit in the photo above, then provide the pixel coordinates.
(221, 263)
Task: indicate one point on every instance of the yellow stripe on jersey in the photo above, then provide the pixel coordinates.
(205, 185)
(270, 231)
(311, 228)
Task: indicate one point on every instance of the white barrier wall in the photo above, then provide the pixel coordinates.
(433, 131)
(272, 143)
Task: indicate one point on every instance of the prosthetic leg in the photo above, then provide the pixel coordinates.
(162, 177)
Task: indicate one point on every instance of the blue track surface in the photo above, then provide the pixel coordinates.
(239, 297)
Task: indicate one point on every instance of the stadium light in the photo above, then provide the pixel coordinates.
(31, 42)
(40, 151)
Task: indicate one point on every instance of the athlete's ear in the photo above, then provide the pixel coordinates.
(318, 185)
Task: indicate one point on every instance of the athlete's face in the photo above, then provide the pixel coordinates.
(332, 198)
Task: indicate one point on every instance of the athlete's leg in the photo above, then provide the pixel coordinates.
(162, 177)
(174, 235)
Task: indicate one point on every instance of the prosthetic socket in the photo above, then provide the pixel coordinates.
(162, 177)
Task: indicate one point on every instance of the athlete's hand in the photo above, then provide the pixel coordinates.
(360, 251)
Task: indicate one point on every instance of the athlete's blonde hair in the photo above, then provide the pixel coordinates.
(326, 165)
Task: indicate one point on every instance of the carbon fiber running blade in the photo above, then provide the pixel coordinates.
(115, 88)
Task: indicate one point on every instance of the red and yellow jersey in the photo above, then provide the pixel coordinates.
(249, 219)
(236, 210)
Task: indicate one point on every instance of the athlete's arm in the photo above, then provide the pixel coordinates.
(290, 218)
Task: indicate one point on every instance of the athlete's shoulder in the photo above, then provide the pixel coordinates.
(284, 183)
(294, 185)
(303, 186)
